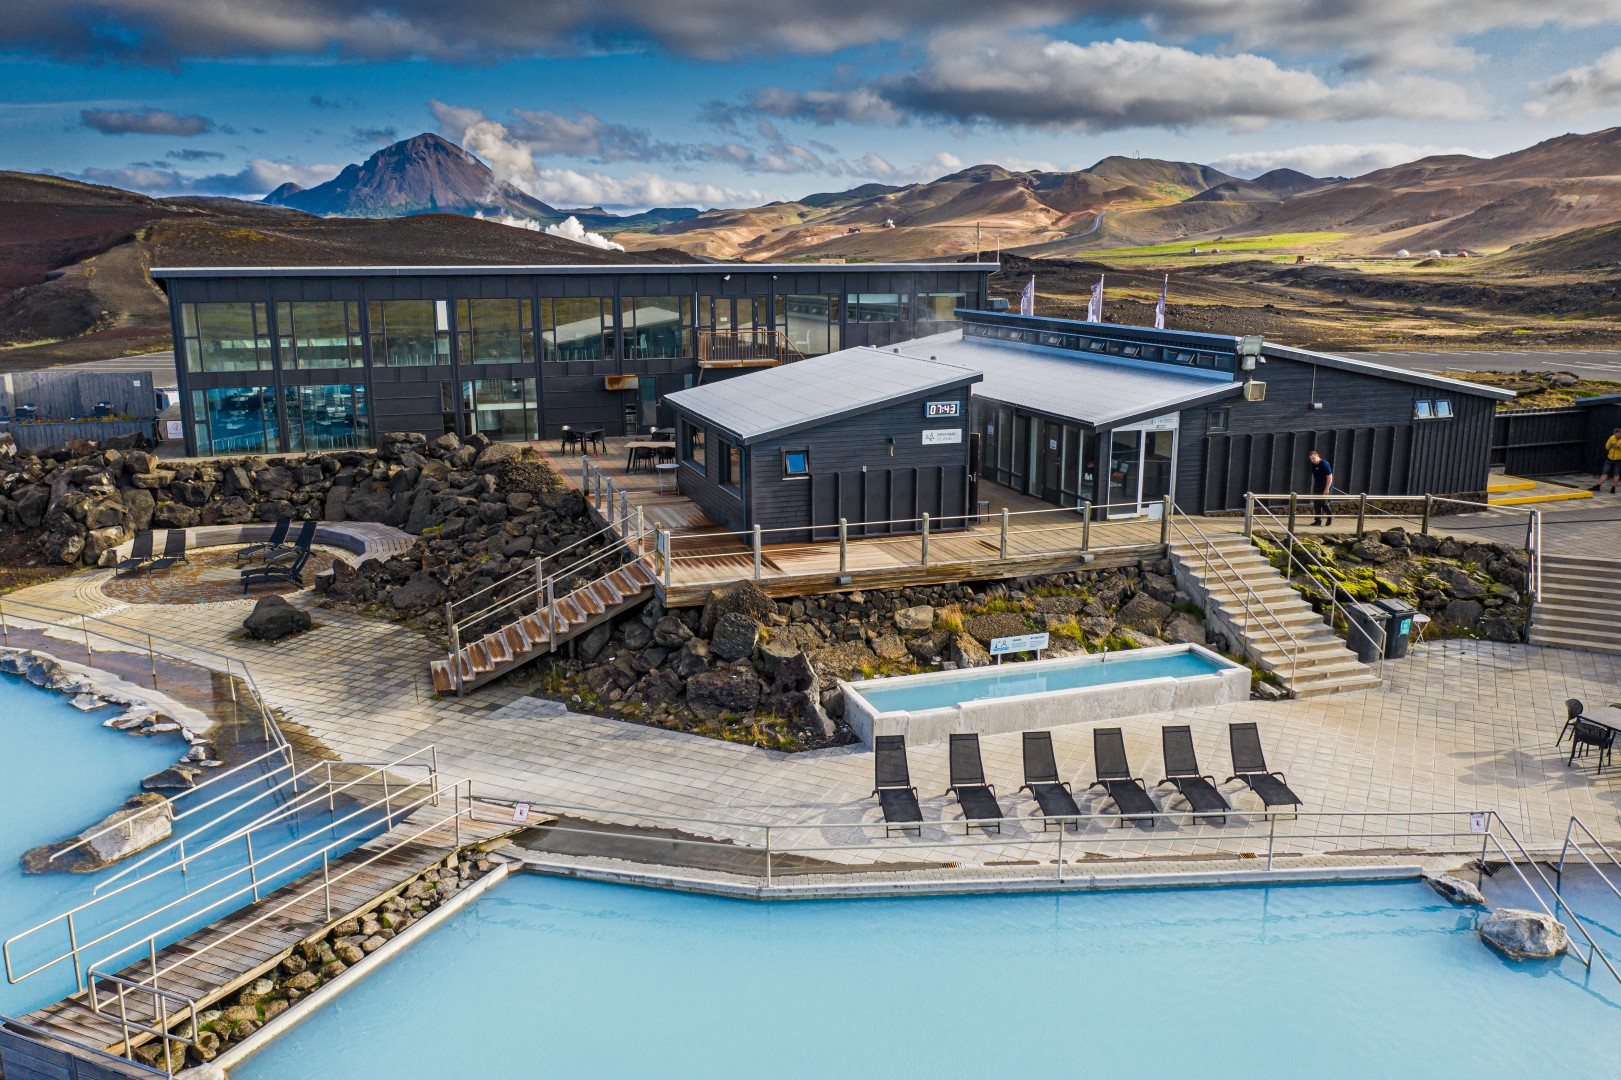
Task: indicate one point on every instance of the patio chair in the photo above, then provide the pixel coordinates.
(278, 540)
(974, 795)
(570, 438)
(1573, 712)
(174, 550)
(1587, 735)
(1129, 793)
(1182, 771)
(140, 554)
(275, 572)
(1041, 779)
(892, 785)
(300, 545)
(1249, 765)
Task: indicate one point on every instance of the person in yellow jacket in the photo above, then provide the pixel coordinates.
(1612, 461)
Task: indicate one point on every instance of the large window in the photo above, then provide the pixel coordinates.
(940, 307)
(503, 409)
(573, 328)
(495, 331)
(877, 307)
(410, 333)
(225, 337)
(692, 444)
(320, 334)
(657, 326)
(811, 323)
(326, 417)
(235, 420)
(732, 462)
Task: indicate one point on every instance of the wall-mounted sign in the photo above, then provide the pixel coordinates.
(1052, 444)
(520, 813)
(990, 429)
(1021, 643)
(622, 382)
(940, 436)
(1168, 422)
(1477, 823)
(174, 430)
(942, 408)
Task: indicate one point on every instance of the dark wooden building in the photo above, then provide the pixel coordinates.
(873, 436)
(292, 358)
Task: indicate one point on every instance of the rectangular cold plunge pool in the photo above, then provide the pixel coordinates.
(1043, 693)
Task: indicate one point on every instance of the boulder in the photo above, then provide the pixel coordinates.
(735, 636)
(1524, 935)
(133, 827)
(1183, 629)
(391, 445)
(773, 653)
(913, 619)
(670, 632)
(593, 641)
(985, 628)
(372, 505)
(692, 659)
(273, 618)
(1463, 613)
(796, 695)
(1159, 587)
(733, 689)
(1145, 614)
(744, 597)
(1370, 550)
(1460, 584)
(889, 647)
(1455, 889)
(420, 592)
(966, 652)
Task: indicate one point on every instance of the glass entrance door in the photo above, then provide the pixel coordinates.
(1125, 472)
(1142, 469)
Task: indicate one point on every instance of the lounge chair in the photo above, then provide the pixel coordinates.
(278, 540)
(174, 550)
(974, 795)
(140, 553)
(892, 784)
(1249, 765)
(271, 573)
(1182, 771)
(1574, 710)
(306, 537)
(1129, 793)
(1041, 780)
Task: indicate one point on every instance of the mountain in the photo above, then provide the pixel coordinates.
(424, 175)
(280, 196)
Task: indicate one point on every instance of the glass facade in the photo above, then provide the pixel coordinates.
(811, 323)
(503, 409)
(878, 307)
(574, 328)
(940, 307)
(657, 326)
(326, 417)
(495, 331)
(410, 333)
(225, 337)
(323, 334)
(236, 420)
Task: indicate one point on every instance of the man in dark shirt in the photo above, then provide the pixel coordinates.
(1322, 482)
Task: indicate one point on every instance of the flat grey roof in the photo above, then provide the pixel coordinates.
(1385, 371)
(559, 268)
(1087, 388)
(808, 393)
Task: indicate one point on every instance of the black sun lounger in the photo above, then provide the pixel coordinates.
(174, 550)
(892, 784)
(974, 795)
(1041, 780)
(300, 544)
(278, 539)
(1128, 792)
(1182, 770)
(271, 573)
(140, 553)
(1249, 765)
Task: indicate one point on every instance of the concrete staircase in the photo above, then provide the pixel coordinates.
(1580, 606)
(1245, 597)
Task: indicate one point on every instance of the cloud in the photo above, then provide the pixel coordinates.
(1586, 89)
(258, 177)
(319, 102)
(145, 122)
(569, 229)
(1332, 159)
(864, 105)
(942, 163)
(640, 191)
(369, 137)
(192, 154)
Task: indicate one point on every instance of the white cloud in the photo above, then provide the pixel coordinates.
(257, 178)
(569, 229)
(942, 163)
(1331, 159)
(1585, 89)
(639, 191)
(863, 105)
(145, 122)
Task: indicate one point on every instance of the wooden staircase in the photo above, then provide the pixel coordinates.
(531, 637)
(1244, 591)
(1580, 607)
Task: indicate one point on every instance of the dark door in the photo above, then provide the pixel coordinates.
(1052, 459)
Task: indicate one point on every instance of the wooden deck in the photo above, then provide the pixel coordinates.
(221, 958)
(1041, 540)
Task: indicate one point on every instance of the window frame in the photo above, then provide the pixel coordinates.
(1423, 409)
(693, 453)
(1219, 420)
(788, 471)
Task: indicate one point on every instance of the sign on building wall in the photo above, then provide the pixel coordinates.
(934, 409)
(174, 430)
(941, 436)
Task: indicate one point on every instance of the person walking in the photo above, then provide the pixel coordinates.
(1612, 462)
(1322, 483)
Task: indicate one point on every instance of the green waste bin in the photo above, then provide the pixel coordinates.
(1365, 634)
(1398, 628)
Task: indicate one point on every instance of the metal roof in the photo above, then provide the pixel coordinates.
(808, 393)
(562, 268)
(1094, 390)
(1385, 371)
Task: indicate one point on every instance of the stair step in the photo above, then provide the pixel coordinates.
(1562, 641)
(1575, 618)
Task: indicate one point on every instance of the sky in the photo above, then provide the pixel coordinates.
(628, 104)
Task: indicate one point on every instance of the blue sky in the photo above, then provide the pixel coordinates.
(627, 103)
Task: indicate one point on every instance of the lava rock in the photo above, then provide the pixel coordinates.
(1524, 935)
(273, 618)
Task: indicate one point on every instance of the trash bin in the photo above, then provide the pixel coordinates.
(1364, 633)
(1398, 628)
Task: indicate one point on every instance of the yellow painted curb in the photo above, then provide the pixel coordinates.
(1522, 500)
(1509, 483)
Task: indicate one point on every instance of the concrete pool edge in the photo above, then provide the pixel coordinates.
(1229, 682)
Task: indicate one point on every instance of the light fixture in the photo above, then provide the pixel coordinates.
(726, 277)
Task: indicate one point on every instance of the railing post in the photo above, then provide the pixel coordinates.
(1424, 525)
(1060, 852)
(326, 883)
(73, 947)
(1165, 522)
(669, 559)
(253, 876)
(1086, 528)
(1001, 550)
(5, 627)
(1294, 506)
(551, 611)
(152, 660)
(1361, 514)
(624, 511)
(755, 533)
(455, 649)
(585, 473)
(641, 526)
(924, 552)
(844, 545)
(388, 801)
(90, 653)
(1271, 837)
(1249, 515)
(540, 577)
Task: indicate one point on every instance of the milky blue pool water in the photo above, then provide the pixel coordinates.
(61, 772)
(1010, 680)
(556, 978)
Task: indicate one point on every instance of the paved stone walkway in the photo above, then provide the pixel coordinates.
(1458, 727)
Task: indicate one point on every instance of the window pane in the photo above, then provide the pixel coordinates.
(326, 417)
(656, 327)
(494, 331)
(323, 334)
(807, 323)
(878, 307)
(692, 445)
(940, 307)
(230, 337)
(579, 329)
(503, 409)
(403, 334)
(241, 420)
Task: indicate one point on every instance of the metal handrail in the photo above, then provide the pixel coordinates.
(1572, 843)
(97, 1051)
(1208, 549)
(970, 518)
(160, 1000)
(530, 573)
(779, 341)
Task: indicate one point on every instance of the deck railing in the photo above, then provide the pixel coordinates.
(745, 348)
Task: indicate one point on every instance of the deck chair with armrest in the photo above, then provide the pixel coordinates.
(300, 545)
(1574, 710)
(140, 554)
(974, 795)
(281, 570)
(1249, 765)
(892, 785)
(1182, 772)
(1129, 793)
(1041, 779)
(278, 540)
(174, 550)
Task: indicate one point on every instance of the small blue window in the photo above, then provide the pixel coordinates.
(796, 463)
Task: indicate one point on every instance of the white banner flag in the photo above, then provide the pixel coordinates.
(1027, 298)
(1159, 308)
(1094, 306)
